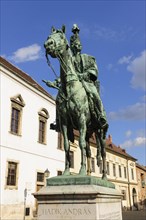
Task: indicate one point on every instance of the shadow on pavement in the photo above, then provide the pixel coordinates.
(134, 215)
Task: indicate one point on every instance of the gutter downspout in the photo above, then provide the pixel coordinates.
(128, 185)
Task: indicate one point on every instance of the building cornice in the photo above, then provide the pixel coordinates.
(24, 77)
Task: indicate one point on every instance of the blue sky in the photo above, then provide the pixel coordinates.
(111, 31)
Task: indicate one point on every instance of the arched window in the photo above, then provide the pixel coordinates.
(17, 104)
(43, 116)
(134, 195)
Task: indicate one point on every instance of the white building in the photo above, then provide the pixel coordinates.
(28, 146)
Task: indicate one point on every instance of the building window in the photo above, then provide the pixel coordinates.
(142, 180)
(40, 182)
(40, 177)
(132, 174)
(93, 164)
(15, 119)
(27, 211)
(125, 173)
(12, 171)
(17, 105)
(42, 131)
(60, 141)
(12, 175)
(120, 173)
(59, 173)
(124, 194)
(108, 170)
(71, 159)
(114, 170)
(43, 116)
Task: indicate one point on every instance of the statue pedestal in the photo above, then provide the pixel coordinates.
(84, 200)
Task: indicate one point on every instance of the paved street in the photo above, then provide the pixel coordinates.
(134, 215)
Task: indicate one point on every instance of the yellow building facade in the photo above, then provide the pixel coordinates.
(141, 181)
(121, 169)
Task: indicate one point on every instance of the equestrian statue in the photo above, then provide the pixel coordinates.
(78, 103)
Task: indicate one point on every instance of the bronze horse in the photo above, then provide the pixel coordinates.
(72, 105)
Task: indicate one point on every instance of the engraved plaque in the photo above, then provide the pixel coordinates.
(67, 211)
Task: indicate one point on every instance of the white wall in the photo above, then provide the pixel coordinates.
(25, 149)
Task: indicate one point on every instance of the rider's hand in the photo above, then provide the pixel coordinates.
(44, 81)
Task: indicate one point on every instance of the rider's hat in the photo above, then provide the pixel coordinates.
(75, 28)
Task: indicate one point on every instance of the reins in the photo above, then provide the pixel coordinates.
(67, 66)
(49, 64)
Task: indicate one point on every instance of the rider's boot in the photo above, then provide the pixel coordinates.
(55, 126)
(103, 122)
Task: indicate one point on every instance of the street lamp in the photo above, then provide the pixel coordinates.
(46, 175)
(25, 195)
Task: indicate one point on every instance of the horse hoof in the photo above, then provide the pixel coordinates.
(66, 173)
(82, 171)
(89, 172)
(104, 177)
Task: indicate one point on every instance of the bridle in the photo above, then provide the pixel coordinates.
(66, 65)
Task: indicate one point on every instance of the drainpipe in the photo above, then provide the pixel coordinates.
(25, 194)
(128, 185)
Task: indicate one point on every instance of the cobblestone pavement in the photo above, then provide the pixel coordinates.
(134, 215)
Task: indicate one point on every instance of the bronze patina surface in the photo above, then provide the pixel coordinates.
(78, 103)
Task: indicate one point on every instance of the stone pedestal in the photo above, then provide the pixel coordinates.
(78, 198)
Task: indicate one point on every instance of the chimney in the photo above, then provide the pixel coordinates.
(124, 150)
(110, 139)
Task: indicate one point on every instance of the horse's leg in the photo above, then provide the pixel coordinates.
(88, 153)
(82, 144)
(67, 150)
(98, 155)
(103, 154)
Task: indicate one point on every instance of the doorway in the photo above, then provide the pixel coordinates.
(134, 197)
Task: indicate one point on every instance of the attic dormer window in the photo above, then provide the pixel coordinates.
(17, 104)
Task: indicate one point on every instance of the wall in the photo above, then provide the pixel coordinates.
(25, 149)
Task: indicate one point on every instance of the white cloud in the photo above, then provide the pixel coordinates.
(24, 54)
(140, 132)
(125, 59)
(128, 133)
(138, 68)
(108, 33)
(131, 112)
(128, 143)
(137, 142)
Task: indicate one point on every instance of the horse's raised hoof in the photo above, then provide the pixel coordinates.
(89, 172)
(82, 171)
(66, 172)
(104, 177)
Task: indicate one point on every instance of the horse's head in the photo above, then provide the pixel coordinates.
(56, 43)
